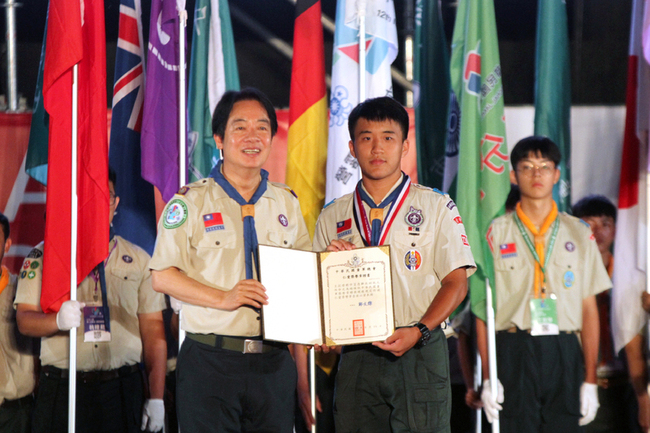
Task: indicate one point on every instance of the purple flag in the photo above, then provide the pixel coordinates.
(160, 125)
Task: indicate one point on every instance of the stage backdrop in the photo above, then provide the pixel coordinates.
(596, 137)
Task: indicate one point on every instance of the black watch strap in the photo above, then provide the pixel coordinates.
(426, 334)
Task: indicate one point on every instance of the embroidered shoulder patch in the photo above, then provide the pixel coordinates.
(35, 253)
(175, 215)
(291, 191)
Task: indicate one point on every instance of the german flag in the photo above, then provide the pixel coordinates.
(307, 138)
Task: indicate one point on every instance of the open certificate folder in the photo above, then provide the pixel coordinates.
(328, 298)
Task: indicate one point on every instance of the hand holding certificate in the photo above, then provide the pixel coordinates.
(331, 298)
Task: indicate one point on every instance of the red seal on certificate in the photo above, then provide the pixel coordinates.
(357, 328)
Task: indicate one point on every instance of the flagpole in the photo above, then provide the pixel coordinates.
(312, 386)
(492, 349)
(361, 11)
(182, 136)
(478, 378)
(72, 367)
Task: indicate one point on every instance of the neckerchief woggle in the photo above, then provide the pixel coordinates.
(539, 265)
(248, 214)
(374, 232)
(99, 275)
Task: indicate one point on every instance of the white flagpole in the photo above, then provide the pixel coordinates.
(361, 11)
(478, 378)
(492, 349)
(182, 136)
(312, 386)
(72, 367)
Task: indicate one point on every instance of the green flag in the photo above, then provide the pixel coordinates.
(213, 71)
(553, 89)
(483, 171)
(431, 92)
(36, 160)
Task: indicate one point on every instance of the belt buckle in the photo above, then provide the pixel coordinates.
(253, 346)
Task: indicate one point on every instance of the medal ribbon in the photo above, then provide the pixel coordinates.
(538, 249)
(248, 214)
(374, 233)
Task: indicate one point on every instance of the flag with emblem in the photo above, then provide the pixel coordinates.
(213, 71)
(628, 318)
(430, 92)
(553, 89)
(483, 170)
(70, 43)
(213, 221)
(344, 228)
(135, 219)
(160, 124)
(342, 172)
(307, 137)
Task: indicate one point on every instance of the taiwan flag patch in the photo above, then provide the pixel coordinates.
(508, 250)
(344, 228)
(213, 221)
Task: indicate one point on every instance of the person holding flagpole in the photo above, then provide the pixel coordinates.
(228, 378)
(401, 384)
(119, 321)
(547, 272)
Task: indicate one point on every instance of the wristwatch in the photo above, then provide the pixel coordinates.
(426, 334)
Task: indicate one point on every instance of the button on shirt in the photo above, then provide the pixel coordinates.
(421, 257)
(574, 272)
(207, 245)
(129, 293)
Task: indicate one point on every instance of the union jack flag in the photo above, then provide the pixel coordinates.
(135, 218)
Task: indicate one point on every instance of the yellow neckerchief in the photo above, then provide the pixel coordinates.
(539, 242)
(4, 279)
(610, 266)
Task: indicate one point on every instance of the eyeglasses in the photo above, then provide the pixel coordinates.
(111, 199)
(528, 169)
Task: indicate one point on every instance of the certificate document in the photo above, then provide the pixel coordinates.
(336, 298)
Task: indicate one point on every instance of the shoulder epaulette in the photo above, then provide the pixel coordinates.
(328, 204)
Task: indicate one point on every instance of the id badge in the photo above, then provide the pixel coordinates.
(95, 325)
(543, 315)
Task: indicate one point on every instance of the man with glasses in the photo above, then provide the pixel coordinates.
(110, 389)
(547, 272)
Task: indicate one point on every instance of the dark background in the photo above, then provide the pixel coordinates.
(598, 32)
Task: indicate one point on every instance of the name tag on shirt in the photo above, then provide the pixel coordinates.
(95, 325)
(543, 315)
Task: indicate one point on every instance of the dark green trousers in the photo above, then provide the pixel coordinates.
(378, 392)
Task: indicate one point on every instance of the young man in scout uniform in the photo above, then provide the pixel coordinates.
(110, 392)
(17, 356)
(547, 273)
(228, 378)
(400, 384)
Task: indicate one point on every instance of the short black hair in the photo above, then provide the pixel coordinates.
(230, 98)
(4, 222)
(514, 196)
(377, 110)
(594, 206)
(538, 146)
(112, 176)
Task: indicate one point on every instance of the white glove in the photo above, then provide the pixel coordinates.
(153, 415)
(491, 404)
(69, 315)
(588, 402)
(175, 304)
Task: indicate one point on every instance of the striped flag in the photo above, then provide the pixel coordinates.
(628, 318)
(213, 71)
(553, 89)
(381, 51)
(483, 169)
(307, 138)
(135, 219)
(69, 43)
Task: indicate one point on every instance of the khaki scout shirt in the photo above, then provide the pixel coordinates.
(129, 293)
(212, 251)
(574, 272)
(16, 351)
(420, 256)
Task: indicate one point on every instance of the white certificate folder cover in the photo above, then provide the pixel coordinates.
(336, 298)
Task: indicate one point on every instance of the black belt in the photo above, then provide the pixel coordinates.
(91, 376)
(514, 330)
(19, 402)
(236, 344)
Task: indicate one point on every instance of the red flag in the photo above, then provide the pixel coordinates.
(73, 38)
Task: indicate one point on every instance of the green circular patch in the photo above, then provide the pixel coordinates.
(175, 214)
(34, 265)
(31, 275)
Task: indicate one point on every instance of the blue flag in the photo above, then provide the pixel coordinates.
(135, 219)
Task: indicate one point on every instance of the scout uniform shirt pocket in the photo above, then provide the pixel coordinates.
(512, 270)
(124, 281)
(413, 253)
(564, 269)
(279, 239)
(217, 240)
